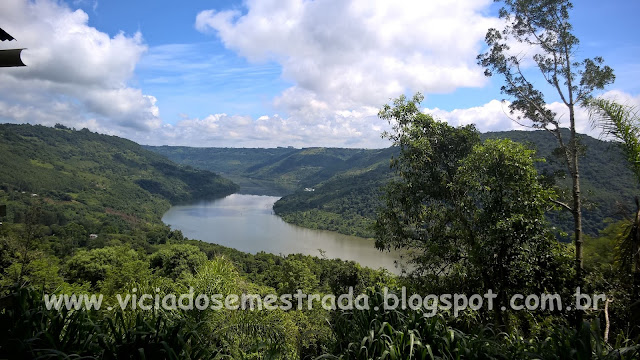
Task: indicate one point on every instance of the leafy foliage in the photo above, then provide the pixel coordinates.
(464, 209)
(38, 333)
(623, 123)
(49, 249)
(346, 201)
(606, 180)
(396, 334)
(80, 172)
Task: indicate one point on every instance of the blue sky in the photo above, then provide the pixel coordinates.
(272, 72)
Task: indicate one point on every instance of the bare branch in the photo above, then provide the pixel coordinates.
(561, 204)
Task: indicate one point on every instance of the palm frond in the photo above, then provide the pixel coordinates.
(621, 122)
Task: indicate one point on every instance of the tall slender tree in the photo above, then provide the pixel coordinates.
(543, 25)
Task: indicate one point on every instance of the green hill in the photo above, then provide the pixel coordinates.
(113, 180)
(606, 180)
(275, 171)
(346, 201)
(84, 183)
(232, 163)
(346, 182)
(606, 183)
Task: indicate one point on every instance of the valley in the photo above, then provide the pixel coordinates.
(348, 183)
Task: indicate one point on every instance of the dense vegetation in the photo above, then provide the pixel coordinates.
(278, 171)
(232, 163)
(102, 182)
(473, 214)
(45, 248)
(347, 182)
(84, 217)
(607, 181)
(39, 256)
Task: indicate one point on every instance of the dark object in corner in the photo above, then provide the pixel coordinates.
(3, 210)
(5, 36)
(11, 58)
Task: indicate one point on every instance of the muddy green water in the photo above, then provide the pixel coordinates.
(247, 223)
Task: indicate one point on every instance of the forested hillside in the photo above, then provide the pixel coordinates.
(232, 163)
(62, 185)
(514, 245)
(346, 203)
(607, 183)
(347, 182)
(83, 217)
(99, 180)
(274, 171)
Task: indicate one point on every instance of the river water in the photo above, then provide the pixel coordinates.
(247, 223)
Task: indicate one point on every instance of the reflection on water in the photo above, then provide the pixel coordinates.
(247, 223)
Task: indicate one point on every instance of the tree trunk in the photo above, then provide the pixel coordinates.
(577, 211)
(606, 320)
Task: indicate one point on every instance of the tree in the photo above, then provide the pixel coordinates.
(419, 206)
(295, 274)
(544, 26)
(623, 123)
(468, 210)
(108, 268)
(173, 260)
(502, 208)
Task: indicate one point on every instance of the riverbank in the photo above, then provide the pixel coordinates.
(247, 223)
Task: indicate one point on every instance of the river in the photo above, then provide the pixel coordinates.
(247, 223)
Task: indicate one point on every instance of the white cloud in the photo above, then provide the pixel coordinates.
(495, 116)
(221, 130)
(346, 128)
(492, 116)
(622, 98)
(344, 58)
(75, 74)
(353, 56)
(360, 52)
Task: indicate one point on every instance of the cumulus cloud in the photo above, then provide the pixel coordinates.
(349, 128)
(358, 129)
(495, 115)
(375, 47)
(75, 74)
(353, 56)
(344, 60)
(222, 130)
(492, 116)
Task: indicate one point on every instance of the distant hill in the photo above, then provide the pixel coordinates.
(606, 180)
(232, 163)
(346, 182)
(346, 202)
(86, 172)
(275, 171)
